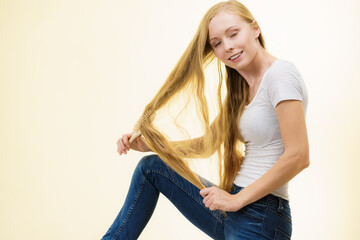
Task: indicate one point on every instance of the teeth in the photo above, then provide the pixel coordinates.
(235, 56)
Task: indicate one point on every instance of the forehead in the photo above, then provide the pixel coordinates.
(223, 21)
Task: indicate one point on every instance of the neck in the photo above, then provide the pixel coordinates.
(255, 70)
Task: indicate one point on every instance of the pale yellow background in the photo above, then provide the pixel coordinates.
(75, 75)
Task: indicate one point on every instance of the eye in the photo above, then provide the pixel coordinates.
(233, 34)
(217, 44)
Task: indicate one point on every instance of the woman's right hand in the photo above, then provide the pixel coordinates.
(123, 144)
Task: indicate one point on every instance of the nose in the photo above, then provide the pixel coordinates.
(228, 46)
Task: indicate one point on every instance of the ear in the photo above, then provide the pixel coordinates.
(256, 28)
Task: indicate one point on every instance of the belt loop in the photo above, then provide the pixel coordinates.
(281, 205)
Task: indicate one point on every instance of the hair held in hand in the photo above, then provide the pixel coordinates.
(222, 136)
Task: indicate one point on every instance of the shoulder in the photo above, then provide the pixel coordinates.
(283, 72)
(282, 67)
(284, 81)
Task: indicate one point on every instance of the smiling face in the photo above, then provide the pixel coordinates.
(233, 40)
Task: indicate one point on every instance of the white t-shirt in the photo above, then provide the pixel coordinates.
(259, 125)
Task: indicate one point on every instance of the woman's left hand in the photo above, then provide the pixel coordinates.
(218, 199)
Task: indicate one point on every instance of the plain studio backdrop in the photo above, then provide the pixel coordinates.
(75, 75)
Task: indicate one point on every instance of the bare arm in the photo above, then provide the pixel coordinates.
(295, 158)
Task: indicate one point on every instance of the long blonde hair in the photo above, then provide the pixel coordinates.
(223, 135)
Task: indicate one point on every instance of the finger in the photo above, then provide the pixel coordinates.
(208, 201)
(126, 142)
(205, 191)
(120, 151)
(213, 207)
(121, 146)
(125, 146)
(118, 147)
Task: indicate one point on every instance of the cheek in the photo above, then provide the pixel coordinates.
(216, 53)
(252, 44)
(219, 54)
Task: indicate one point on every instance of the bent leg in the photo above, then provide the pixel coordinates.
(150, 177)
(138, 207)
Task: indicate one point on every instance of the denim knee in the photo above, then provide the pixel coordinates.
(149, 163)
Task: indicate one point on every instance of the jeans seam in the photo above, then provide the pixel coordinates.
(118, 231)
(184, 190)
(262, 230)
(279, 231)
(284, 217)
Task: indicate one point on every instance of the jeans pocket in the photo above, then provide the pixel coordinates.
(254, 210)
(279, 235)
(285, 214)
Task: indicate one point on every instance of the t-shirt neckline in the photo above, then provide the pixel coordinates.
(261, 82)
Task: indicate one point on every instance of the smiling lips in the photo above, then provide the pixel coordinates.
(236, 56)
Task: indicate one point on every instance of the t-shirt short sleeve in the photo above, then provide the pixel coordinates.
(284, 83)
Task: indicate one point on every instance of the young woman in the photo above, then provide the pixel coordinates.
(264, 108)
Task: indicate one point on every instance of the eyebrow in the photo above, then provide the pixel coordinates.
(229, 28)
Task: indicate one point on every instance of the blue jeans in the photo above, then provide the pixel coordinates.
(267, 218)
